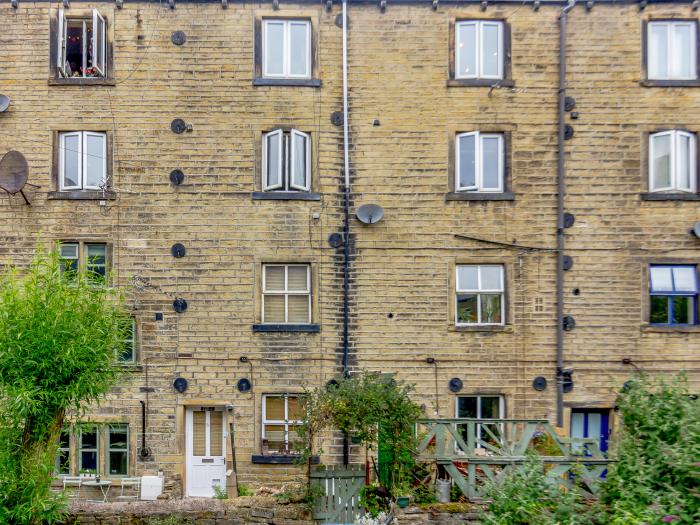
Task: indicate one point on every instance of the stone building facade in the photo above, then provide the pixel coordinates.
(419, 107)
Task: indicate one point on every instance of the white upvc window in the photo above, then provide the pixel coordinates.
(286, 164)
(282, 415)
(479, 49)
(479, 295)
(479, 162)
(82, 158)
(81, 45)
(672, 161)
(126, 355)
(286, 297)
(672, 50)
(481, 407)
(286, 48)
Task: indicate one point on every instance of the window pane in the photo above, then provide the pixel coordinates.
(491, 162)
(71, 160)
(466, 407)
(298, 55)
(274, 278)
(88, 461)
(274, 48)
(681, 61)
(683, 163)
(489, 51)
(467, 277)
(490, 407)
(274, 408)
(199, 430)
(69, 258)
(662, 161)
(118, 463)
(297, 278)
(683, 310)
(63, 462)
(661, 278)
(467, 308)
(491, 308)
(658, 50)
(659, 310)
(491, 277)
(126, 353)
(298, 306)
(96, 255)
(466, 50)
(294, 410)
(467, 161)
(274, 147)
(88, 439)
(94, 160)
(577, 427)
(216, 430)
(684, 279)
(118, 437)
(275, 437)
(64, 439)
(299, 168)
(274, 309)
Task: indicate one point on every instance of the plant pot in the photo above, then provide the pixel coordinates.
(402, 502)
(356, 440)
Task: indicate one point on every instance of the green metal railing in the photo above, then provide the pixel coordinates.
(475, 450)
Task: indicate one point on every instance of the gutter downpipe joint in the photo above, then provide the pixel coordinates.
(561, 188)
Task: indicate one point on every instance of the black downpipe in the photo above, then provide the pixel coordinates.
(561, 188)
(143, 428)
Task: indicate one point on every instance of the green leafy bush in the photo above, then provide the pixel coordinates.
(59, 334)
(245, 490)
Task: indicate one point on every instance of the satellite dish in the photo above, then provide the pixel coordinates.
(4, 103)
(370, 213)
(14, 172)
(696, 229)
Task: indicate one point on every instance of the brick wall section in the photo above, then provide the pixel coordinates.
(404, 265)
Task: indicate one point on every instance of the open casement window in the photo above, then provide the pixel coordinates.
(479, 295)
(481, 407)
(286, 295)
(282, 415)
(479, 49)
(82, 158)
(286, 48)
(672, 161)
(286, 161)
(673, 295)
(479, 162)
(671, 50)
(81, 45)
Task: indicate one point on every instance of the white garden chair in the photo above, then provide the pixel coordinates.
(70, 482)
(132, 486)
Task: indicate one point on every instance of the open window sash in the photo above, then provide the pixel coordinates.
(61, 34)
(273, 152)
(458, 164)
(76, 153)
(94, 162)
(300, 161)
(98, 42)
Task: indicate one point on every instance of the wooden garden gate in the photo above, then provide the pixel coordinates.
(339, 498)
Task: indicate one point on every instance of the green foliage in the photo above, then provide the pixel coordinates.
(656, 478)
(525, 496)
(220, 492)
(245, 490)
(58, 337)
(375, 499)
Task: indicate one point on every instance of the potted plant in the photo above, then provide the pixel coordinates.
(403, 493)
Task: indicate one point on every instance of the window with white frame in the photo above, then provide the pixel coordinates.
(117, 450)
(286, 48)
(672, 161)
(286, 294)
(90, 257)
(282, 415)
(82, 160)
(81, 46)
(479, 162)
(479, 49)
(673, 294)
(479, 295)
(481, 407)
(88, 451)
(126, 355)
(672, 50)
(286, 161)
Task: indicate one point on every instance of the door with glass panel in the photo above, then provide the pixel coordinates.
(205, 450)
(590, 423)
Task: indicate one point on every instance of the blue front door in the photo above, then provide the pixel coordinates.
(591, 423)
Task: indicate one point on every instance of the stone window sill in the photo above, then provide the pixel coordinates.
(83, 195)
(294, 82)
(131, 367)
(286, 196)
(304, 328)
(508, 329)
(475, 196)
(681, 329)
(88, 81)
(480, 82)
(670, 83)
(670, 196)
(280, 459)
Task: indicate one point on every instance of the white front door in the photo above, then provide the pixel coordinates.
(205, 451)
